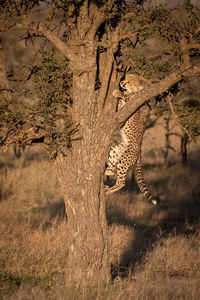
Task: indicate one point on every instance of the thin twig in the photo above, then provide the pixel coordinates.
(169, 99)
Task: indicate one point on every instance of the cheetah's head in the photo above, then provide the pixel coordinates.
(131, 84)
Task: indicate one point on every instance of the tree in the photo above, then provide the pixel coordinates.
(98, 40)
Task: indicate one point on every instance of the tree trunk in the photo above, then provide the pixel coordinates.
(81, 173)
(84, 198)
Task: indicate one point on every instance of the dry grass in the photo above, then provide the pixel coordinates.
(155, 252)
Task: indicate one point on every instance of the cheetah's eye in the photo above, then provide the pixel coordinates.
(125, 84)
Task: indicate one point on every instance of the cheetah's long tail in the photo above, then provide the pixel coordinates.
(140, 181)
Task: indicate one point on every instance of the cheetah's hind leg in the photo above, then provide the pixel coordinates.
(114, 157)
(121, 176)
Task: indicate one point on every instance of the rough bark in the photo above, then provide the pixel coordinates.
(88, 259)
(81, 174)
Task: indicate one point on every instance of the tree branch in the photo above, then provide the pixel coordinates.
(56, 41)
(105, 74)
(156, 89)
(27, 24)
(97, 20)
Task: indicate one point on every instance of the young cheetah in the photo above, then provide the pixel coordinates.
(128, 152)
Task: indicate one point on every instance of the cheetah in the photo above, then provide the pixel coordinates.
(128, 152)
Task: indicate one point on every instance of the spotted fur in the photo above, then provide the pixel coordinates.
(128, 152)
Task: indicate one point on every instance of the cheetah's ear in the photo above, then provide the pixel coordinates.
(129, 69)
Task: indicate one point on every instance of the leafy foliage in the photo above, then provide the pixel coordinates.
(188, 114)
(47, 116)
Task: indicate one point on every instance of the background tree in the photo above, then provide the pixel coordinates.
(74, 115)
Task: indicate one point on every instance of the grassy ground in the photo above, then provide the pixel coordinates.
(155, 252)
